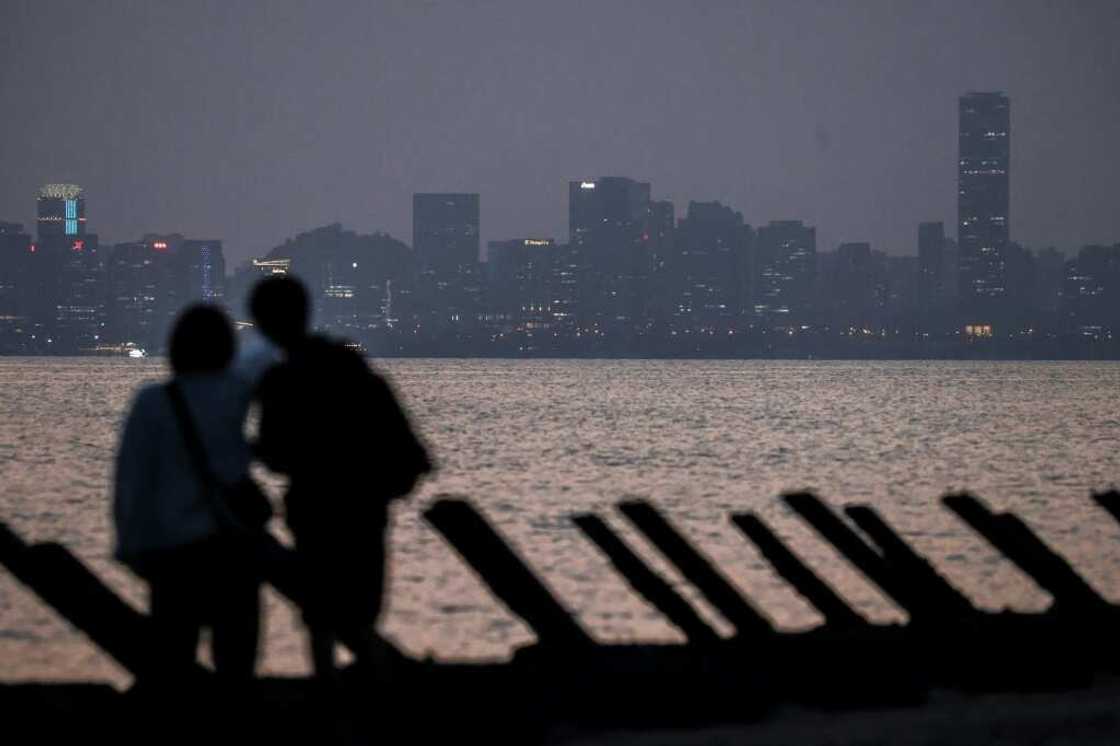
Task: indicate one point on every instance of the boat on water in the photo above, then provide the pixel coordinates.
(124, 349)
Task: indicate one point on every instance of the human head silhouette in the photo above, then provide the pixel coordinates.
(280, 309)
(201, 340)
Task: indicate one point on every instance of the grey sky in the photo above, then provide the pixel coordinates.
(249, 121)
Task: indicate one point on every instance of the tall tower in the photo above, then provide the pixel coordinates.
(445, 230)
(62, 211)
(445, 242)
(66, 272)
(708, 268)
(785, 271)
(931, 268)
(608, 214)
(202, 270)
(609, 232)
(983, 201)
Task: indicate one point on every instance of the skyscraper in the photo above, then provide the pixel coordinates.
(709, 268)
(203, 270)
(62, 211)
(138, 281)
(446, 244)
(609, 228)
(1091, 293)
(69, 305)
(522, 277)
(785, 271)
(932, 265)
(15, 255)
(445, 230)
(856, 283)
(983, 202)
(609, 213)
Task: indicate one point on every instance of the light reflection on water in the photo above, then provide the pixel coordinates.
(534, 441)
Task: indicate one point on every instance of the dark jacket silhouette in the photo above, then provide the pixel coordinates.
(335, 428)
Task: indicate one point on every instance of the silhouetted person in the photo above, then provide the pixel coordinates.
(335, 428)
(167, 524)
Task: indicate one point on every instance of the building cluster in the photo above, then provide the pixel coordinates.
(63, 292)
(632, 279)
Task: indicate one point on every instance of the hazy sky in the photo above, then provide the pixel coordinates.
(249, 121)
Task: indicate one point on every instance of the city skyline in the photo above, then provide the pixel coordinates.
(983, 195)
(631, 281)
(511, 101)
(903, 248)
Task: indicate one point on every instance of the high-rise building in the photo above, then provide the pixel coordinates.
(509, 261)
(144, 290)
(68, 306)
(80, 306)
(62, 211)
(612, 240)
(897, 292)
(785, 272)
(983, 202)
(1020, 304)
(709, 268)
(203, 270)
(522, 275)
(1050, 277)
(662, 226)
(608, 213)
(856, 287)
(663, 283)
(445, 230)
(445, 239)
(15, 254)
(150, 281)
(932, 275)
(1091, 292)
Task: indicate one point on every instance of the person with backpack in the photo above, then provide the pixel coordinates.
(336, 429)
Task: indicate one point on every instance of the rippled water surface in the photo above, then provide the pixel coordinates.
(535, 441)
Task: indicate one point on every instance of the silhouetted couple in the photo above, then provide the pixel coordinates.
(190, 520)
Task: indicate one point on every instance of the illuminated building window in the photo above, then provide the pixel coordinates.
(978, 330)
(71, 227)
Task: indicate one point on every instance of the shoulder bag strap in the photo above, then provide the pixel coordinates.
(196, 450)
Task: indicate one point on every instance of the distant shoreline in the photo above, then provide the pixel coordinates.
(385, 355)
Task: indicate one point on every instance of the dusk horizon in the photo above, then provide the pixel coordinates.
(223, 123)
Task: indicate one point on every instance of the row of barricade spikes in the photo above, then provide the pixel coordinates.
(879, 553)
